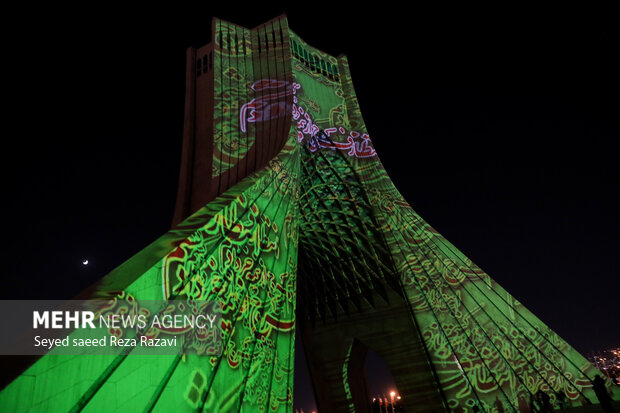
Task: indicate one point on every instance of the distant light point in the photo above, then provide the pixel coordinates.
(84, 262)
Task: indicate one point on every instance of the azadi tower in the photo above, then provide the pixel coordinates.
(286, 215)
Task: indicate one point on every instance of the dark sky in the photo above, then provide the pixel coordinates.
(499, 128)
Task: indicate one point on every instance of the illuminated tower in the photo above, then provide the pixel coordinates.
(286, 215)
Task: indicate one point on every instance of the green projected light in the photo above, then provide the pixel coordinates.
(302, 196)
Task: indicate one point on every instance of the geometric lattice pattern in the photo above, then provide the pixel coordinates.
(343, 256)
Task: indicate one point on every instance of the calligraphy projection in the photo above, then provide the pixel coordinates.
(268, 107)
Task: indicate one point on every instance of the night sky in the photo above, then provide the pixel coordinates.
(500, 132)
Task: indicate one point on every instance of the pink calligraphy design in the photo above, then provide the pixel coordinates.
(317, 138)
(266, 107)
(271, 106)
